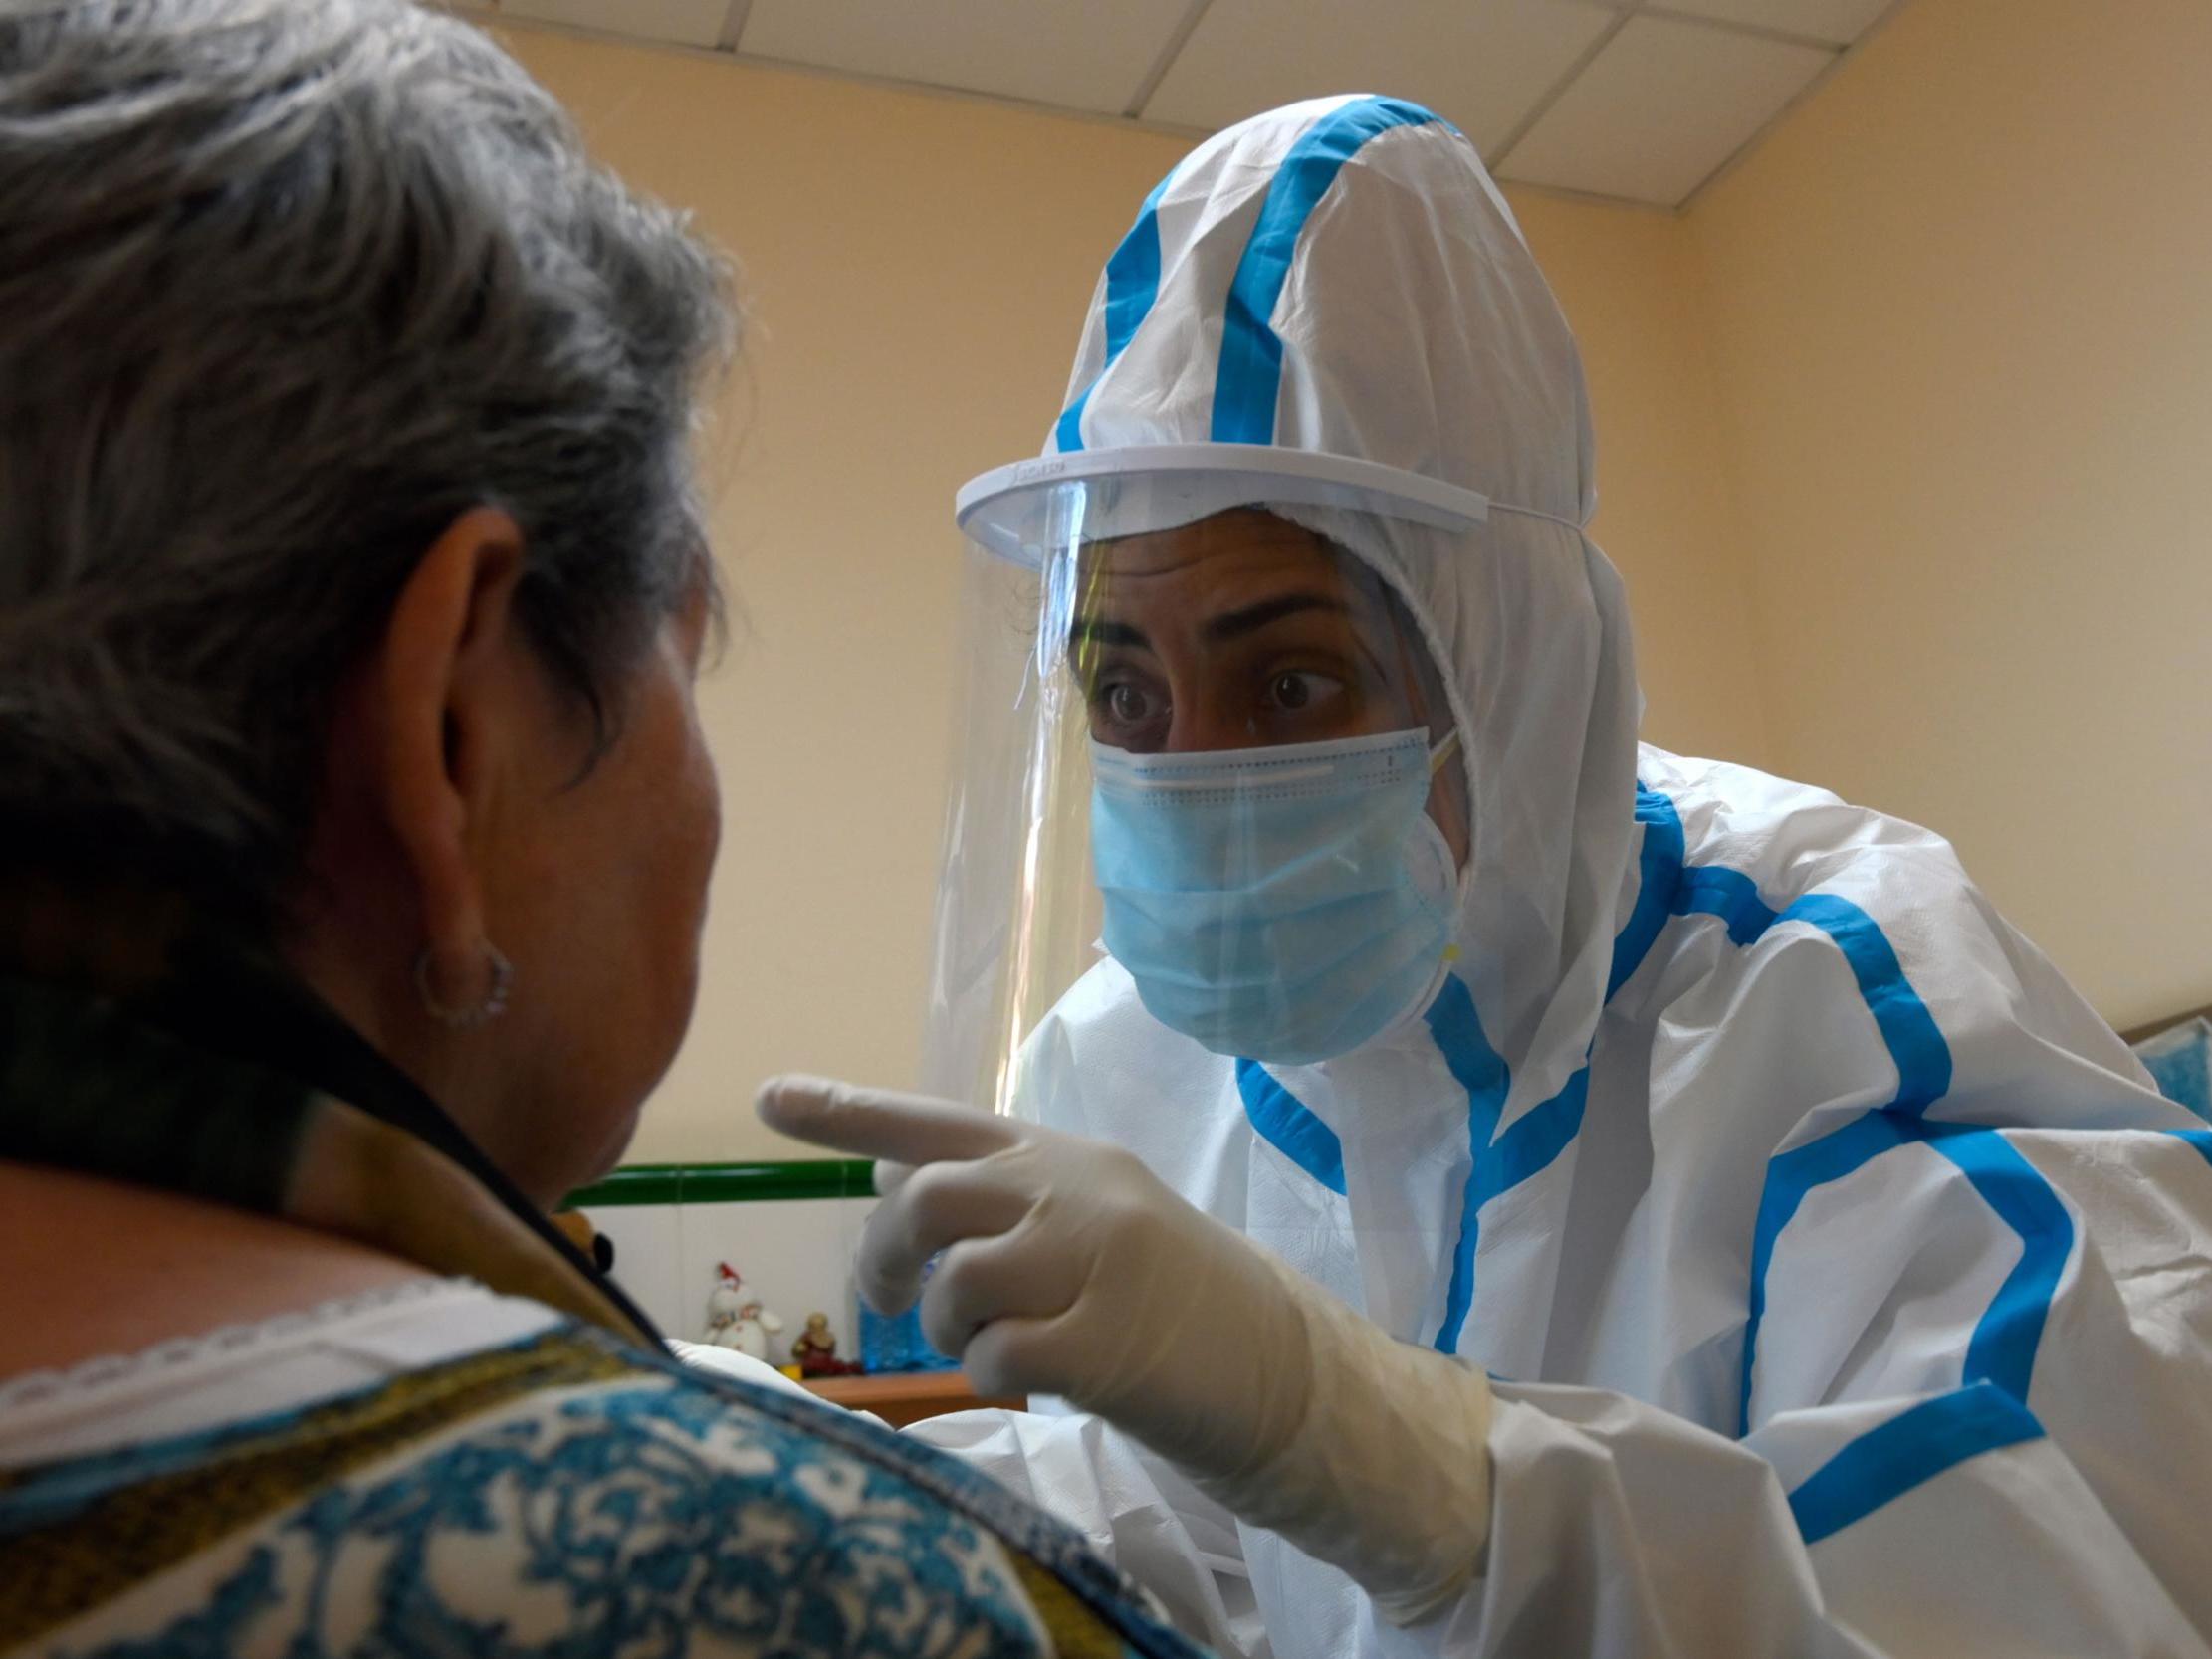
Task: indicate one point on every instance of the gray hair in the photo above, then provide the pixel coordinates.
(285, 286)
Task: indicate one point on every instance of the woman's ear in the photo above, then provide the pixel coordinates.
(441, 718)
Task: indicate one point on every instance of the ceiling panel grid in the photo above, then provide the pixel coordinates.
(1638, 100)
(1074, 54)
(1660, 108)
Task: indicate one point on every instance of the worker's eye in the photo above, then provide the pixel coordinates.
(1301, 690)
(1127, 705)
(1126, 714)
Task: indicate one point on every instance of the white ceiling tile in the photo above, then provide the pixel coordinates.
(685, 21)
(1480, 63)
(1076, 53)
(1839, 21)
(1660, 109)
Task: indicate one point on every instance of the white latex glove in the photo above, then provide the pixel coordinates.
(1070, 1269)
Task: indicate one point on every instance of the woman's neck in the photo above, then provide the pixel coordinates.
(92, 1266)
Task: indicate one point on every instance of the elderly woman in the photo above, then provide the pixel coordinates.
(358, 826)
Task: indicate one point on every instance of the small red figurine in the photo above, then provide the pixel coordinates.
(815, 1350)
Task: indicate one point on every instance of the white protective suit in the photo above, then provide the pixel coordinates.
(1844, 1286)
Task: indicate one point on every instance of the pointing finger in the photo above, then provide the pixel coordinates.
(880, 1123)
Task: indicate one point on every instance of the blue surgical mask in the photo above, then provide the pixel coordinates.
(1284, 905)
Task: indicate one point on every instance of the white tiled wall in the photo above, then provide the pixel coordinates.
(794, 1254)
(648, 1254)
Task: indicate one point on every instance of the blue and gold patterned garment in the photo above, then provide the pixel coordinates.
(565, 1495)
(570, 1491)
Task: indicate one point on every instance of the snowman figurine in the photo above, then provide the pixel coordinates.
(736, 1317)
(755, 1326)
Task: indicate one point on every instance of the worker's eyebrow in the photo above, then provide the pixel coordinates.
(1234, 624)
(1229, 625)
(1095, 630)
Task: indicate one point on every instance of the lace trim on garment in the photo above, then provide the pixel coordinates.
(227, 1341)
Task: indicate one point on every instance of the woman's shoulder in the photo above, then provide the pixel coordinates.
(1864, 938)
(555, 1489)
(1791, 840)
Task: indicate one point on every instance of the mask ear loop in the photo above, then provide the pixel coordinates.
(1441, 755)
(1412, 658)
(1438, 758)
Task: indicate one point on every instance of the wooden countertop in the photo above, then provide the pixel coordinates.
(903, 1397)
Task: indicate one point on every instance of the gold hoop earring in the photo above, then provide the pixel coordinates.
(494, 1003)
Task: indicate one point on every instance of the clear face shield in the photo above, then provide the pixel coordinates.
(1200, 733)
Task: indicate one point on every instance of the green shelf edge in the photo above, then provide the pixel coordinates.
(728, 1183)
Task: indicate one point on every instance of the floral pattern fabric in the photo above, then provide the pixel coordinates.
(564, 1497)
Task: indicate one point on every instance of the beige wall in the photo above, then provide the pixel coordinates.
(1961, 310)
(918, 268)
(1629, 282)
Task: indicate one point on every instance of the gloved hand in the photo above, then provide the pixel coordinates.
(1070, 1269)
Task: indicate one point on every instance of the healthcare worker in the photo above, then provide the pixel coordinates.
(1501, 1189)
